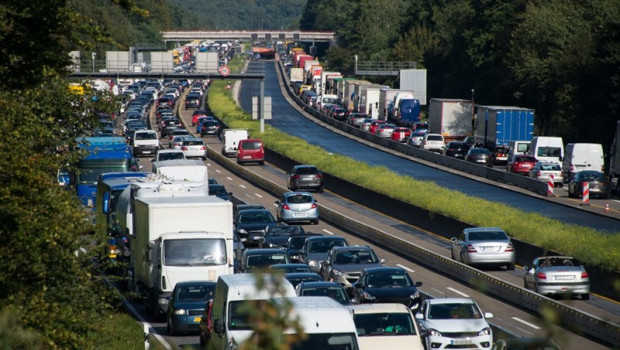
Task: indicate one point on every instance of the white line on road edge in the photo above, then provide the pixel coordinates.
(405, 267)
(329, 233)
(258, 195)
(230, 178)
(458, 292)
(525, 322)
(218, 171)
(209, 165)
(147, 328)
(242, 186)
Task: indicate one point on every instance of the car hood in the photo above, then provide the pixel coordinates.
(255, 226)
(277, 240)
(456, 326)
(392, 292)
(317, 256)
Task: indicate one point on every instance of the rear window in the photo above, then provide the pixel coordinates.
(193, 143)
(435, 138)
(307, 170)
(299, 199)
(250, 145)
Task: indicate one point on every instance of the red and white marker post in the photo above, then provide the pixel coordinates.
(586, 193)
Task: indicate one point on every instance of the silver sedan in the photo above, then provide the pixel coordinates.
(297, 207)
(557, 275)
(484, 246)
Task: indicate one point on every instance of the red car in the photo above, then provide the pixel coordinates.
(196, 115)
(400, 134)
(374, 125)
(521, 164)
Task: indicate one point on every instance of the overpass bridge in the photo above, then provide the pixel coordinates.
(248, 35)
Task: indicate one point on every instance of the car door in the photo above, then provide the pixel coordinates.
(457, 247)
(326, 267)
(530, 272)
(303, 254)
(358, 288)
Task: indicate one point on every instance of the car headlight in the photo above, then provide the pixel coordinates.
(163, 301)
(312, 263)
(294, 257)
(337, 272)
(242, 231)
(434, 333)
(415, 295)
(485, 331)
(368, 296)
(273, 245)
(179, 312)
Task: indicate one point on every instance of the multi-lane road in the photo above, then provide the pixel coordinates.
(508, 317)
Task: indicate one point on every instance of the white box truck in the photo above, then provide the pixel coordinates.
(178, 239)
(230, 141)
(369, 100)
(187, 170)
(386, 95)
(453, 118)
(414, 80)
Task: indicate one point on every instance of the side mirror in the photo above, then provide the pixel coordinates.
(453, 239)
(418, 284)
(488, 315)
(277, 202)
(383, 261)
(218, 326)
(525, 267)
(419, 316)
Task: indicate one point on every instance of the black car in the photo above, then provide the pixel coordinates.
(298, 277)
(219, 191)
(387, 285)
(261, 258)
(209, 127)
(306, 177)
(479, 155)
(290, 268)
(456, 149)
(187, 302)
(294, 245)
(276, 236)
(322, 288)
(251, 224)
(339, 114)
(169, 125)
(192, 100)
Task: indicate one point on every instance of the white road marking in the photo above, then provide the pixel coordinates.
(525, 322)
(218, 171)
(405, 267)
(329, 233)
(209, 165)
(458, 292)
(230, 178)
(242, 186)
(258, 195)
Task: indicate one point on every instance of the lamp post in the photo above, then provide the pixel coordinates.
(473, 113)
(94, 56)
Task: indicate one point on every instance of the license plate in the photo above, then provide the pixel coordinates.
(480, 161)
(564, 278)
(490, 249)
(256, 238)
(300, 215)
(461, 341)
(247, 157)
(307, 178)
(146, 151)
(197, 319)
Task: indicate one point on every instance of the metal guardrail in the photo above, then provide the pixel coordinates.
(381, 67)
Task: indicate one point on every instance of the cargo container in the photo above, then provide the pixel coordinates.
(453, 118)
(368, 101)
(301, 60)
(386, 95)
(327, 79)
(350, 92)
(499, 125)
(296, 75)
(414, 80)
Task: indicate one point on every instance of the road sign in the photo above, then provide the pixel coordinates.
(224, 70)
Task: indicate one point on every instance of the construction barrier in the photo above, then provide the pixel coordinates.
(550, 184)
(585, 193)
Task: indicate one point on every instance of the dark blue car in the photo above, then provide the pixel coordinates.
(187, 304)
(387, 285)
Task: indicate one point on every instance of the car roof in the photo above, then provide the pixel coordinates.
(192, 139)
(385, 269)
(378, 308)
(482, 229)
(320, 284)
(257, 251)
(351, 248)
(290, 194)
(325, 238)
(450, 301)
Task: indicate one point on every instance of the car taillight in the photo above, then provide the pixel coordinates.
(319, 176)
(471, 249)
(185, 148)
(313, 205)
(202, 148)
(538, 173)
(510, 248)
(584, 275)
(541, 275)
(286, 207)
(295, 176)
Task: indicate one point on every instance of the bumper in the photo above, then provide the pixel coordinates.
(288, 215)
(551, 288)
(478, 258)
(185, 323)
(145, 150)
(479, 342)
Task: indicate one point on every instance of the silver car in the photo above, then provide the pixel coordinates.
(297, 207)
(344, 265)
(385, 130)
(194, 148)
(543, 170)
(484, 246)
(557, 275)
(416, 137)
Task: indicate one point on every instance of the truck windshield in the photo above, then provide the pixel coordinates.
(325, 341)
(383, 323)
(90, 169)
(195, 252)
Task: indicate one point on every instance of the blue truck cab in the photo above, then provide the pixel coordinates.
(408, 112)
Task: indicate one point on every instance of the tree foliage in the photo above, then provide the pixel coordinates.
(559, 58)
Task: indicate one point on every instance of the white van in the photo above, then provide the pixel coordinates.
(229, 323)
(189, 170)
(518, 147)
(547, 148)
(230, 141)
(582, 156)
(386, 326)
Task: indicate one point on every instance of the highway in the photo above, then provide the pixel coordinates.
(511, 318)
(287, 118)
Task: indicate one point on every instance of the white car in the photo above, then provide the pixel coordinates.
(433, 142)
(194, 148)
(455, 322)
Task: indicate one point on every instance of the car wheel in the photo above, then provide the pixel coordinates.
(320, 190)
(510, 267)
(315, 222)
(452, 254)
(585, 296)
(525, 284)
(170, 328)
(262, 162)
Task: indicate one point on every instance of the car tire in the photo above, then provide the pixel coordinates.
(171, 330)
(510, 267)
(262, 162)
(585, 296)
(315, 222)
(320, 190)
(525, 284)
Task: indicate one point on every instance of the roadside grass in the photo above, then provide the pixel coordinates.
(118, 331)
(584, 243)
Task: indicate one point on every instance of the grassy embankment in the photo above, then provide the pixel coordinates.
(590, 246)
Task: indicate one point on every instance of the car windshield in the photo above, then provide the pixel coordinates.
(195, 292)
(381, 323)
(559, 261)
(588, 176)
(323, 246)
(386, 280)
(337, 294)
(299, 199)
(296, 242)
(194, 252)
(257, 217)
(355, 257)
(487, 236)
(264, 260)
(550, 166)
(193, 143)
(453, 311)
(250, 145)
